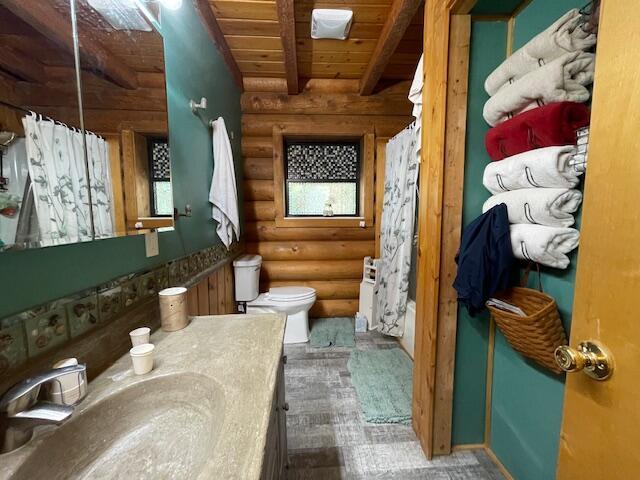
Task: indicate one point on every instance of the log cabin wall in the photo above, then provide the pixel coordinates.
(328, 259)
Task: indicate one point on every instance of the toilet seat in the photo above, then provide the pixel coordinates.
(290, 294)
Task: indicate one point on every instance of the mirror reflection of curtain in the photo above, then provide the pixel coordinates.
(101, 187)
(12, 201)
(396, 232)
(57, 170)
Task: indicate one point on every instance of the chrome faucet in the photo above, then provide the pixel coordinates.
(21, 411)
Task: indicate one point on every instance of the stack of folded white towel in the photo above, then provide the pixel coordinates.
(538, 186)
(552, 67)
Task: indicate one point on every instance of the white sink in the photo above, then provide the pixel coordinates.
(140, 432)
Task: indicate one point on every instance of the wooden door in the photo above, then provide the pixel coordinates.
(601, 422)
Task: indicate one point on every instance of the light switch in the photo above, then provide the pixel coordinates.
(151, 243)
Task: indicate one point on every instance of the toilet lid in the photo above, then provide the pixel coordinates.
(291, 293)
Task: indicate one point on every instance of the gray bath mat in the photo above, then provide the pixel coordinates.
(332, 332)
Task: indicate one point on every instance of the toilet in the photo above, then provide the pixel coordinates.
(294, 301)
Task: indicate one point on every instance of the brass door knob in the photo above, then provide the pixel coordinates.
(590, 357)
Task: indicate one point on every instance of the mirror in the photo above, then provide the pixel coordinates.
(44, 192)
(58, 185)
(125, 115)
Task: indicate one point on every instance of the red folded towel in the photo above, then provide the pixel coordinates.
(551, 125)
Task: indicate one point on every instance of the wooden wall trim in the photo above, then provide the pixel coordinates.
(436, 43)
(213, 294)
(117, 182)
(455, 142)
(381, 155)
(446, 44)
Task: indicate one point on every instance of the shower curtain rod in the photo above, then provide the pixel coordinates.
(25, 110)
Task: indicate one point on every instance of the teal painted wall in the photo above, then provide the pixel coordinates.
(495, 7)
(526, 410)
(488, 47)
(526, 407)
(194, 69)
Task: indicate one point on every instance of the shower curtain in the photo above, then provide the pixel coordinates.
(57, 170)
(396, 232)
(101, 188)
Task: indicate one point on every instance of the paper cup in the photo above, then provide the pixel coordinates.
(142, 358)
(140, 336)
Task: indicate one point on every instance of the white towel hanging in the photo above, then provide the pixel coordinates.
(223, 193)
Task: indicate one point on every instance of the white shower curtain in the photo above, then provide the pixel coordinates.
(101, 187)
(56, 166)
(396, 232)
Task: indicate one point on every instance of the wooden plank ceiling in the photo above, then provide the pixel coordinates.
(252, 31)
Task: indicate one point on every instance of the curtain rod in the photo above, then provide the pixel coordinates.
(22, 109)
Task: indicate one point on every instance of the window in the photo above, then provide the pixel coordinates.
(160, 177)
(322, 178)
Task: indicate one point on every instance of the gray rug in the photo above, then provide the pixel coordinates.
(383, 381)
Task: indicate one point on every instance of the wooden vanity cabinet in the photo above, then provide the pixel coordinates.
(274, 464)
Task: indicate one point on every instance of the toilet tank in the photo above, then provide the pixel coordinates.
(247, 277)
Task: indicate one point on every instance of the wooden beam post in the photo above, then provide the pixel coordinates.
(436, 55)
(288, 34)
(455, 141)
(46, 20)
(402, 12)
(213, 29)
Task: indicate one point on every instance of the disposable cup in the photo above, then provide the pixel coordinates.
(142, 358)
(140, 336)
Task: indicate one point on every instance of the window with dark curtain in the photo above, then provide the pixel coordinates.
(322, 178)
(160, 177)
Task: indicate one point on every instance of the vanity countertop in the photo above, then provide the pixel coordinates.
(237, 354)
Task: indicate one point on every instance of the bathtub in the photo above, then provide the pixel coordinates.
(409, 338)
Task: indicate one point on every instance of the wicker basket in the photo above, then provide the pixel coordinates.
(537, 335)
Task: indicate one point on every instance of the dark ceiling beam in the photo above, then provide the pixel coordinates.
(399, 19)
(21, 66)
(54, 26)
(213, 29)
(287, 21)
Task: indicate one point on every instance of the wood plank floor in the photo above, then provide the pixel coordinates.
(328, 438)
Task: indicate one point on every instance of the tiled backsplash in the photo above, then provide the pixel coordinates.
(38, 330)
